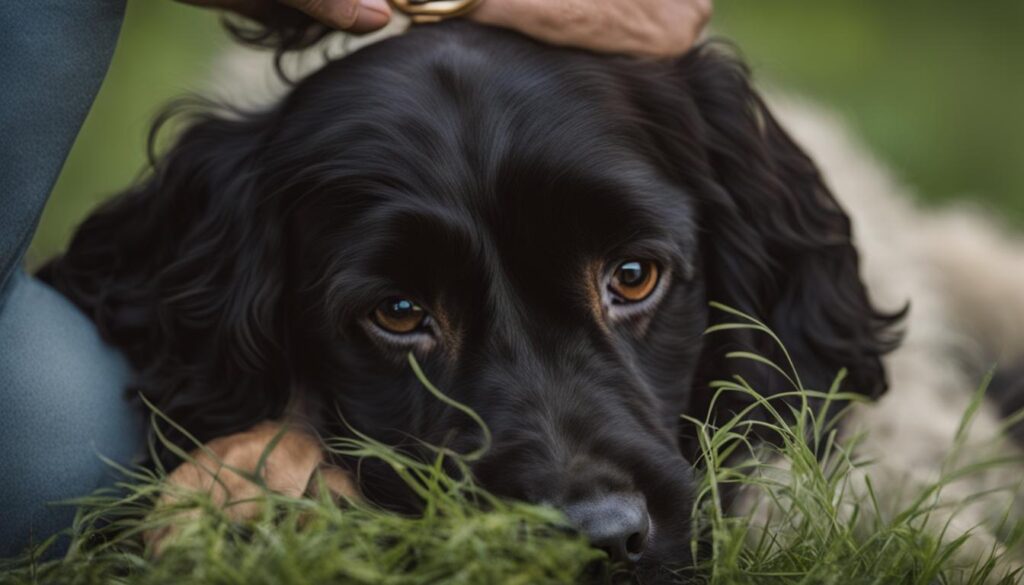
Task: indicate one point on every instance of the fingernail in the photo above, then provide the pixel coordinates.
(373, 14)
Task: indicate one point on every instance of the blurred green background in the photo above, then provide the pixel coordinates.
(935, 87)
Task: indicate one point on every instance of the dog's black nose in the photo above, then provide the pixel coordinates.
(616, 523)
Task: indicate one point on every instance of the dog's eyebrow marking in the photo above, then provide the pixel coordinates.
(593, 275)
(451, 336)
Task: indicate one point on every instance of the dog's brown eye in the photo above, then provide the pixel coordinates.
(398, 315)
(634, 280)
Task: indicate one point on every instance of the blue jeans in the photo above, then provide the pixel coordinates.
(62, 390)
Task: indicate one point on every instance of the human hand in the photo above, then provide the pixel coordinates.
(358, 16)
(225, 469)
(639, 27)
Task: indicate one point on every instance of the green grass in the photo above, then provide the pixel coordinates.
(165, 50)
(812, 516)
(934, 87)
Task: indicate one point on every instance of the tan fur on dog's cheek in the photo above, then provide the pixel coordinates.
(593, 275)
(451, 337)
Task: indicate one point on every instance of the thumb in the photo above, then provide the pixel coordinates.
(356, 16)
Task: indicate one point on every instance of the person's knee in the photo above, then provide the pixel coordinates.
(63, 405)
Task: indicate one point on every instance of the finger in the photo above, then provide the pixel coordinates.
(357, 16)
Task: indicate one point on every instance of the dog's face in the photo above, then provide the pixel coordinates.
(518, 239)
(542, 229)
(515, 237)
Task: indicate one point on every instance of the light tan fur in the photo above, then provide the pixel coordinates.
(964, 278)
(226, 468)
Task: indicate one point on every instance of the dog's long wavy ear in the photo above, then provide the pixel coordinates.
(776, 243)
(184, 274)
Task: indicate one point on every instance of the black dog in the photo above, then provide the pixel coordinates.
(543, 228)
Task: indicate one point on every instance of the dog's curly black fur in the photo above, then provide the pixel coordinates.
(482, 174)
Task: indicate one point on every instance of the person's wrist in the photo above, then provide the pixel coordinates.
(661, 28)
(553, 21)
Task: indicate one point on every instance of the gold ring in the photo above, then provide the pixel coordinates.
(422, 11)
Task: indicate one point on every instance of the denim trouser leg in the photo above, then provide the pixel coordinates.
(63, 406)
(61, 388)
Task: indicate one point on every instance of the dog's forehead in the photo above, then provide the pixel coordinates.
(458, 164)
(514, 181)
(417, 101)
(544, 141)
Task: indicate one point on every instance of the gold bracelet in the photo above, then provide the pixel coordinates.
(434, 10)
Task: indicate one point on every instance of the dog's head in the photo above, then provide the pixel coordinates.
(542, 228)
